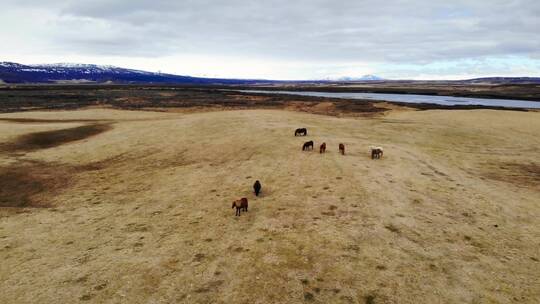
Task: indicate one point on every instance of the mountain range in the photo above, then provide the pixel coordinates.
(16, 73)
(90, 73)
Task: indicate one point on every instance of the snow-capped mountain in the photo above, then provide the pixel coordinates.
(90, 73)
(362, 78)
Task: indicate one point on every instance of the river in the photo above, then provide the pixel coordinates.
(413, 98)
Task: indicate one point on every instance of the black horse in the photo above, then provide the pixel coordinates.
(300, 131)
(257, 187)
(376, 152)
(307, 145)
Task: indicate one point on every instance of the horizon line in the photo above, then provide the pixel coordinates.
(327, 79)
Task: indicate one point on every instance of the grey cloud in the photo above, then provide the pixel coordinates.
(415, 31)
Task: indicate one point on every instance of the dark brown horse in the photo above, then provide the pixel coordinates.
(257, 187)
(241, 205)
(342, 149)
(300, 131)
(376, 152)
(307, 145)
(322, 149)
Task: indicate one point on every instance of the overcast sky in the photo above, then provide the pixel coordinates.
(289, 39)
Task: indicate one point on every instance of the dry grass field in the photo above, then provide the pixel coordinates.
(115, 206)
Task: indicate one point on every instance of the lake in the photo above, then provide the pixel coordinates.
(413, 98)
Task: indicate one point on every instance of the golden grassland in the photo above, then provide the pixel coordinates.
(111, 206)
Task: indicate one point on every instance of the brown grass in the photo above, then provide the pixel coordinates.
(142, 212)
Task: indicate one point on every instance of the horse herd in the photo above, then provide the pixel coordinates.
(376, 152)
(242, 204)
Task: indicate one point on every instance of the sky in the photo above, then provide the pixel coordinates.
(279, 39)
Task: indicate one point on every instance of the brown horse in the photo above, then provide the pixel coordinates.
(307, 145)
(342, 149)
(241, 204)
(322, 149)
(376, 152)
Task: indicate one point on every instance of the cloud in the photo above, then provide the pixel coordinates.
(354, 32)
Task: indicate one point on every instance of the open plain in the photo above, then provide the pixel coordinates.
(101, 205)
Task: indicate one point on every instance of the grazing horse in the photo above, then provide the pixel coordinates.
(300, 131)
(376, 152)
(257, 188)
(241, 204)
(342, 149)
(307, 145)
(322, 149)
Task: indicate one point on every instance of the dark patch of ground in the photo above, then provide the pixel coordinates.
(49, 139)
(32, 120)
(520, 174)
(67, 97)
(30, 184)
(162, 97)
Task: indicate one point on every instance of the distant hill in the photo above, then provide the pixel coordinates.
(504, 80)
(90, 73)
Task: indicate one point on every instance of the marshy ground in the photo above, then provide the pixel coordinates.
(115, 206)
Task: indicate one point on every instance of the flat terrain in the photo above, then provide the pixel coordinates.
(168, 98)
(115, 206)
(16, 98)
(487, 89)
